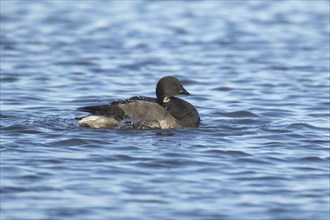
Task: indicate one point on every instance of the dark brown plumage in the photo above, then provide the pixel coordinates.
(165, 111)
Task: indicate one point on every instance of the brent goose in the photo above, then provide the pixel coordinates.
(163, 112)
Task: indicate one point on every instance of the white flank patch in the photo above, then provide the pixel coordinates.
(163, 124)
(96, 121)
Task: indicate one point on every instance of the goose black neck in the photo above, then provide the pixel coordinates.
(160, 96)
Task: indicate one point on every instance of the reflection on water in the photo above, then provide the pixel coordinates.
(258, 73)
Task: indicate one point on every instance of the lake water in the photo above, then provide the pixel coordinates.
(258, 72)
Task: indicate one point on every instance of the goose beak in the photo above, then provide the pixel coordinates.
(184, 92)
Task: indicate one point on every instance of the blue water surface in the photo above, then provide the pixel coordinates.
(258, 72)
